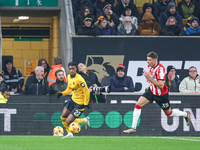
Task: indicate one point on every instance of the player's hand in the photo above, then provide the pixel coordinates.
(87, 106)
(147, 75)
(59, 95)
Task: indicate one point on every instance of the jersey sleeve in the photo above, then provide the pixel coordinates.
(85, 90)
(161, 73)
(68, 90)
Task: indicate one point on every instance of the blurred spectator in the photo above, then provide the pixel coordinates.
(88, 28)
(194, 29)
(42, 62)
(4, 96)
(57, 66)
(91, 81)
(79, 4)
(121, 82)
(105, 27)
(109, 15)
(60, 85)
(147, 7)
(13, 77)
(187, 25)
(128, 12)
(187, 8)
(127, 28)
(119, 8)
(171, 11)
(171, 28)
(80, 16)
(2, 82)
(149, 26)
(37, 84)
(172, 81)
(191, 83)
(160, 6)
(99, 5)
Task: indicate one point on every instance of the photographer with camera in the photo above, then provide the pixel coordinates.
(121, 82)
(94, 86)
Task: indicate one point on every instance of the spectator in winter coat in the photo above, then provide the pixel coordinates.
(80, 16)
(160, 6)
(99, 5)
(88, 28)
(128, 12)
(105, 27)
(171, 28)
(191, 83)
(172, 81)
(187, 8)
(13, 77)
(42, 62)
(171, 11)
(149, 26)
(37, 84)
(147, 7)
(121, 82)
(109, 15)
(60, 85)
(119, 8)
(127, 28)
(194, 29)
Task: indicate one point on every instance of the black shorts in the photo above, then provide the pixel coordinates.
(76, 109)
(162, 101)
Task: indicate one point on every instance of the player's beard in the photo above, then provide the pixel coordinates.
(128, 28)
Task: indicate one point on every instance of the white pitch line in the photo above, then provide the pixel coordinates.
(172, 138)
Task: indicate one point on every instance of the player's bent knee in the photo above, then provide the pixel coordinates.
(168, 114)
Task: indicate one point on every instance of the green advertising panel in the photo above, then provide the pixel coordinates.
(38, 3)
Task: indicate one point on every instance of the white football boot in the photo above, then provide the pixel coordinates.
(87, 123)
(131, 130)
(68, 136)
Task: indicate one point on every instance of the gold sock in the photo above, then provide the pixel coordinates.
(79, 120)
(65, 124)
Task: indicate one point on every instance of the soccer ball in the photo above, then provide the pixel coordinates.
(58, 131)
(74, 127)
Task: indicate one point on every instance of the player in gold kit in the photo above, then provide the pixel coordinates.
(78, 102)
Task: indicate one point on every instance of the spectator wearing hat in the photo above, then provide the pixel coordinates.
(13, 77)
(194, 29)
(147, 7)
(160, 6)
(119, 8)
(2, 82)
(128, 12)
(191, 83)
(187, 8)
(88, 28)
(80, 16)
(172, 81)
(4, 96)
(149, 26)
(171, 11)
(105, 27)
(171, 28)
(109, 15)
(127, 28)
(121, 82)
(99, 5)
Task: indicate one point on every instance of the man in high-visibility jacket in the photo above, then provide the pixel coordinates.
(57, 66)
(4, 96)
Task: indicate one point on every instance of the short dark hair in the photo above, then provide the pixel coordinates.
(58, 72)
(72, 64)
(153, 55)
(57, 60)
(4, 89)
(192, 67)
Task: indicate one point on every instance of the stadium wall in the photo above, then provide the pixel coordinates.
(38, 115)
(103, 54)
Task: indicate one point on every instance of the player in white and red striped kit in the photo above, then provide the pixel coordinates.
(157, 91)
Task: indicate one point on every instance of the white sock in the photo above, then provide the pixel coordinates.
(136, 115)
(177, 113)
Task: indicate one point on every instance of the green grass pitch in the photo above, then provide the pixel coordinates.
(99, 143)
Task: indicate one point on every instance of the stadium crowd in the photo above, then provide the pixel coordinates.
(121, 17)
